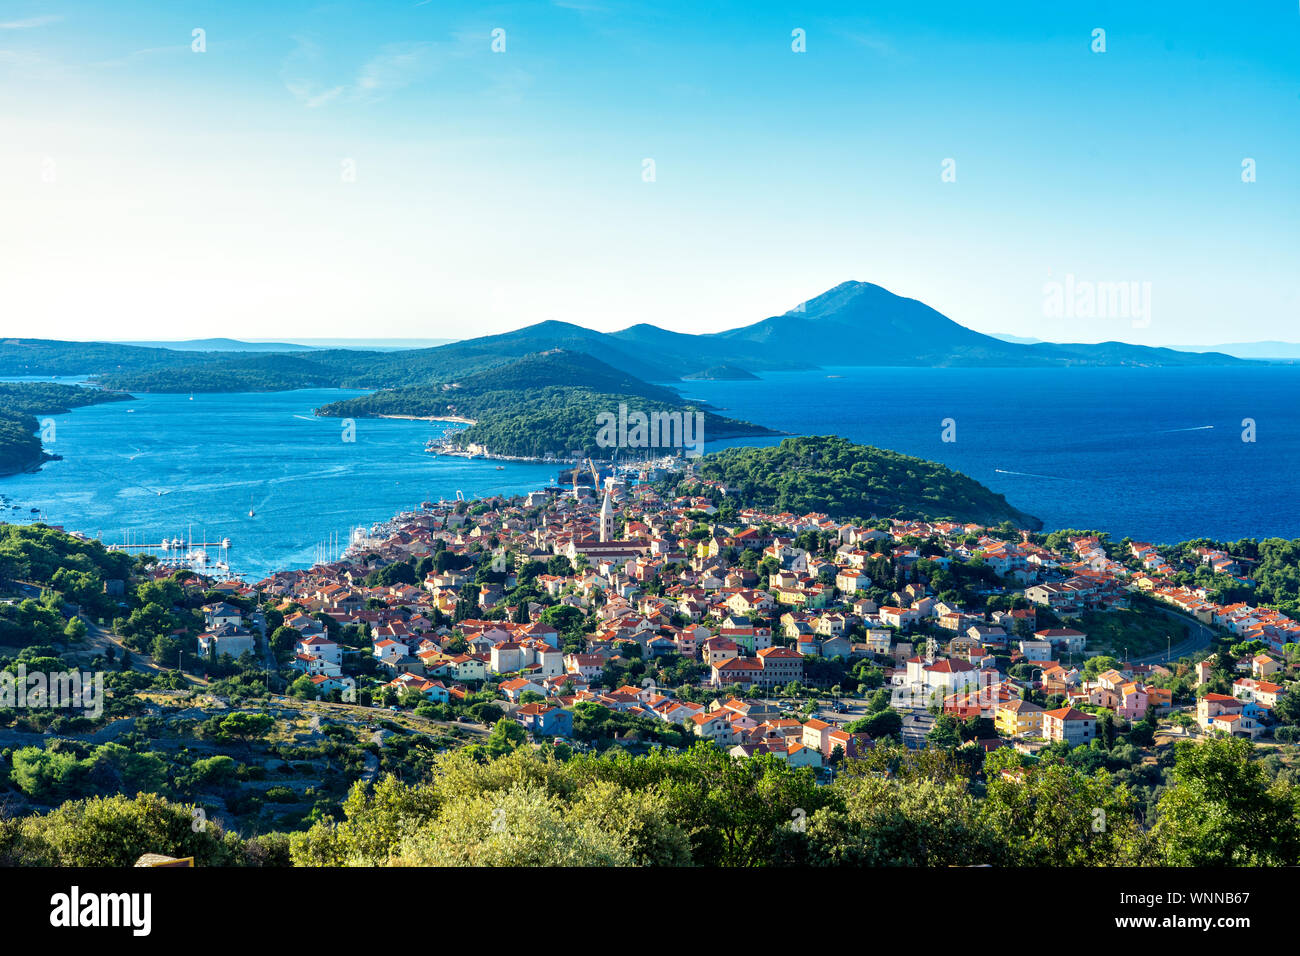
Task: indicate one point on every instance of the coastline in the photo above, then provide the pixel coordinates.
(478, 451)
(432, 418)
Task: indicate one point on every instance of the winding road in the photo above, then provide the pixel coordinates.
(1198, 640)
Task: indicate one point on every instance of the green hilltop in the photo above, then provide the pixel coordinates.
(846, 480)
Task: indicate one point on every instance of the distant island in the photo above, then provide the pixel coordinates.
(544, 406)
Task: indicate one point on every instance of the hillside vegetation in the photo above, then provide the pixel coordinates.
(846, 480)
(701, 807)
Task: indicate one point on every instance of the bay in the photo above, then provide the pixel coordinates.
(1152, 453)
(215, 456)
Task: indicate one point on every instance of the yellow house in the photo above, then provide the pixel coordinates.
(445, 599)
(1018, 717)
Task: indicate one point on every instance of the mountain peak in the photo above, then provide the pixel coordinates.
(844, 295)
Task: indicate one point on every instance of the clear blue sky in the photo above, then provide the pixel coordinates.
(153, 192)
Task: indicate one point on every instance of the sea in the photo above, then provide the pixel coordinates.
(1155, 454)
(171, 466)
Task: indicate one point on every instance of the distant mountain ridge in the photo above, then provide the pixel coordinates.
(852, 324)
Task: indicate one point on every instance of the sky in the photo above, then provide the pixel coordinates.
(380, 170)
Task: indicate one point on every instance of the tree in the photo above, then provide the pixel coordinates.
(1287, 709)
(506, 736)
(1052, 814)
(246, 727)
(1097, 665)
(1223, 811)
(283, 639)
(945, 732)
(303, 688)
(885, 723)
(879, 700)
(524, 826)
(375, 821)
(735, 811)
(116, 831)
(466, 602)
(486, 712)
(900, 823)
(47, 776)
(165, 650)
(563, 617)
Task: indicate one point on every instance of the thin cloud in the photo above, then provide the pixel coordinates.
(304, 71)
(30, 23)
(396, 66)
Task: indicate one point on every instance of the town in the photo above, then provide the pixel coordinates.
(793, 635)
(657, 668)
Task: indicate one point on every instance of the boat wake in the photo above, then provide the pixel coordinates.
(1030, 474)
(1195, 428)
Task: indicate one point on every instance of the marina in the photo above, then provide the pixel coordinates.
(207, 557)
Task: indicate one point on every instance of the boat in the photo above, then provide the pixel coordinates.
(251, 513)
(501, 467)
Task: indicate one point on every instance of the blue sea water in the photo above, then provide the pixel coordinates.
(1155, 454)
(216, 456)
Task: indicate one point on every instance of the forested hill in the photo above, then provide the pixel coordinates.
(563, 368)
(544, 405)
(21, 402)
(846, 480)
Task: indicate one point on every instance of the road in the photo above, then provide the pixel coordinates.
(98, 640)
(916, 724)
(1198, 639)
